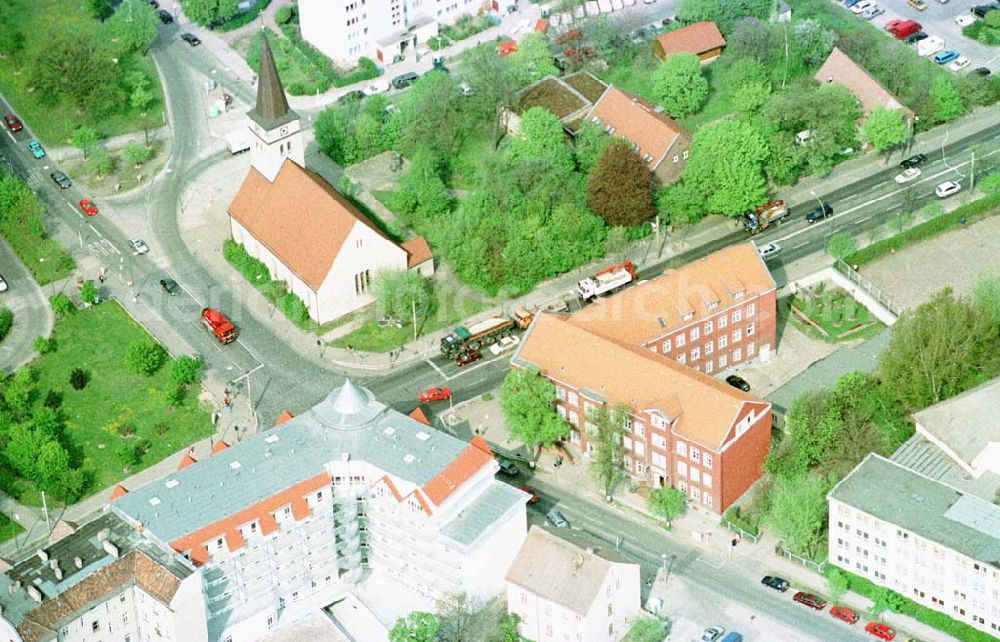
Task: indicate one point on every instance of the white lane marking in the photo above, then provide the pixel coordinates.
(439, 370)
(867, 218)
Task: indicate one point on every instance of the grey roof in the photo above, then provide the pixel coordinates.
(967, 423)
(477, 518)
(932, 510)
(272, 109)
(924, 457)
(558, 571)
(348, 424)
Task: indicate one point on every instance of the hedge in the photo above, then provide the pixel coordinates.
(244, 18)
(366, 66)
(986, 206)
(6, 321)
(276, 292)
(930, 617)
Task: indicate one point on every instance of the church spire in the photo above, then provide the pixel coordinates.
(272, 107)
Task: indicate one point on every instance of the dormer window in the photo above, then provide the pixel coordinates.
(712, 305)
(739, 294)
(687, 316)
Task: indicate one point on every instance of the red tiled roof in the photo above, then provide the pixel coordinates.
(219, 446)
(419, 415)
(118, 491)
(186, 461)
(283, 417)
(638, 122)
(697, 39)
(417, 251)
(476, 455)
(839, 68)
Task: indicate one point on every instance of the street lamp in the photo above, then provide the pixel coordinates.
(822, 207)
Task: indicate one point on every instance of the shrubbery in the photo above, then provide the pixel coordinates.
(6, 321)
(274, 291)
(145, 357)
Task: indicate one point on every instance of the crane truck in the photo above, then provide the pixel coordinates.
(606, 281)
(476, 336)
(218, 325)
(759, 219)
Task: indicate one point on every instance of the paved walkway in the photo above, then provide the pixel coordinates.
(32, 315)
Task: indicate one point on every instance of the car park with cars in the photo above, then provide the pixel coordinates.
(712, 634)
(504, 344)
(556, 518)
(946, 56)
(139, 246)
(810, 600)
(507, 467)
(959, 63)
(915, 37)
(739, 382)
(170, 286)
(769, 251)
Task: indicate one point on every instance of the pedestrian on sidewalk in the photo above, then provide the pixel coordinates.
(227, 403)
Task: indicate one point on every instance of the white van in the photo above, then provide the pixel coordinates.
(930, 46)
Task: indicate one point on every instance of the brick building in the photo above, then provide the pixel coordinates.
(712, 314)
(703, 39)
(685, 429)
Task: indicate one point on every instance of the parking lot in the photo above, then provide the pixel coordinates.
(938, 19)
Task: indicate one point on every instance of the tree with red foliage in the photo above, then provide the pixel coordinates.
(620, 187)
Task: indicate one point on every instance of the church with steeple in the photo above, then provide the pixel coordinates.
(308, 235)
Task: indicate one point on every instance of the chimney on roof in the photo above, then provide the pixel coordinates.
(58, 573)
(103, 534)
(35, 594)
(42, 555)
(78, 562)
(110, 548)
(54, 563)
(577, 564)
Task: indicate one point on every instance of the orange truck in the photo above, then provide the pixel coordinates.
(219, 325)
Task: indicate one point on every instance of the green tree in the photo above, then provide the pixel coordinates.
(141, 98)
(884, 128)
(6, 322)
(798, 513)
(475, 620)
(540, 137)
(69, 56)
(89, 293)
(422, 189)
(532, 60)
(18, 391)
(679, 86)
(331, 129)
(85, 139)
(724, 13)
(21, 450)
(813, 41)
(943, 347)
(726, 166)
(605, 429)
(749, 99)
(841, 245)
(837, 584)
(134, 26)
(682, 204)
(667, 502)
(433, 116)
(11, 39)
(493, 83)
(527, 399)
(284, 14)
(97, 9)
(946, 100)
(102, 163)
(589, 145)
(645, 630)
(145, 357)
(986, 292)
(884, 599)
(185, 370)
(209, 12)
(135, 153)
(399, 292)
(619, 188)
(418, 626)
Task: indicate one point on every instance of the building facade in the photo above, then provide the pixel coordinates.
(684, 428)
(563, 592)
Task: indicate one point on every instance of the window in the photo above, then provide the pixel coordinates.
(708, 327)
(682, 449)
(560, 393)
(681, 359)
(737, 316)
(682, 469)
(708, 364)
(737, 355)
(627, 423)
(685, 154)
(659, 441)
(749, 349)
(706, 480)
(682, 486)
(695, 493)
(695, 454)
(709, 347)
(695, 354)
(573, 399)
(737, 335)
(751, 328)
(638, 429)
(722, 361)
(680, 340)
(666, 346)
(706, 461)
(707, 499)
(121, 598)
(676, 158)
(722, 322)
(95, 626)
(695, 333)
(695, 475)
(723, 342)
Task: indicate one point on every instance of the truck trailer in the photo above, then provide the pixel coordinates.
(757, 220)
(476, 336)
(608, 280)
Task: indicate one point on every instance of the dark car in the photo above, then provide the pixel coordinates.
(13, 123)
(738, 382)
(775, 582)
(980, 71)
(170, 286)
(191, 39)
(810, 600)
(351, 96)
(466, 357)
(404, 80)
(915, 37)
(507, 467)
(980, 11)
(165, 16)
(819, 213)
(913, 161)
(61, 180)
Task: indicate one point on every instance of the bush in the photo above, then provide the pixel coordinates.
(736, 517)
(6, 321)
(61, 304)
(284, 15)
(366, 70)
(145, 357)
(135, 153)
(79, 378)
(102, 163)
(44, 346)
(53, 399)
(293, 307)
(88, 293)
(185, 370)
(251, 269)
(174, 395)
(240, 19)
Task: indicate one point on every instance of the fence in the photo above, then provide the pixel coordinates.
(798, 559)
(856, 278)
(742, 533)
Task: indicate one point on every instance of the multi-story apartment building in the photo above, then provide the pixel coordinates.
(685, 429)
(922, 538)
(563, 592)
(346, 30)
(712, 314)
(291, 519)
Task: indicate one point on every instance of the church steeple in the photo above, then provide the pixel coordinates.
(275, 126)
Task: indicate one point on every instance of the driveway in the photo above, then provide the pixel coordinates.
(32, 316)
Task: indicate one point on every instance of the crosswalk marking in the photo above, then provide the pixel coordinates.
(104, 247)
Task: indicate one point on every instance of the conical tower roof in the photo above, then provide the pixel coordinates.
(348, 408)
(272, 109)
(349, 400)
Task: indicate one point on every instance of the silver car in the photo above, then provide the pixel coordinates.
(555, 518)
(139, 246)
(768, 251)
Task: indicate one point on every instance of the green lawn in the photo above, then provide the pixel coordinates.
(833, 315)
(475, 149)
(96, 339)
(634, 74)
(53, 123)
(8, 528)
(24, 231)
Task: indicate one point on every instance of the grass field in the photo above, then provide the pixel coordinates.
(24, 231)
(53, 123)
(8, 528)
(833, 315)
(96, 339)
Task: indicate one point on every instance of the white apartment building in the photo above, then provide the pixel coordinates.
(346, 30)
(563, 592)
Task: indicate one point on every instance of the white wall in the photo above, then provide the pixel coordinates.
(189, 621)
(486, 565)
(323, 24)
(620, 589)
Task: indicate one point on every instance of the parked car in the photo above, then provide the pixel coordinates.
(13, 123)
(981, 71)
(165, 16)
(738, 382)
(850, 3)
(403, 81)
(858, 7)
(533, 496)
(3, 284)
(946, 56)
(733, 636)
(507, 467)
(139, 246)
(907, 175)
(915, 37)
(36, 149)
(768, 251)
(504, 344)
(981, 10)
(434, 394)
(959, 63)
(872, 11)
(191, 39)
(881, 631)
(810, 600)
(465, 357)
(87, 207)
(913, 161)
(61, 180)
(775, 582)
(819, 213)
(947, 188)
(845, 614)
(170, 286)
(555, 518)
(712, 634)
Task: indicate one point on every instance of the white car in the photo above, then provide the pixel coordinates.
(907, 175)
(3, 284)
(769, 250)
(504, 344)
(964, 21)
(872, 11)
(959, 63)
(861, 6)
(139, 246)
(947, 188)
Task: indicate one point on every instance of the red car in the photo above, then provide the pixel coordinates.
(845, 614)
(881, 631)
(810, 600)
(466, 357)
(534, 496)
(88, 207)
(434, 394)
(12, 122)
